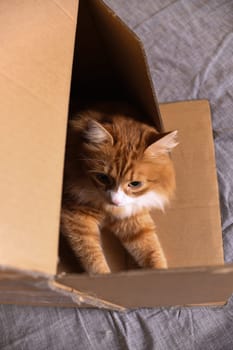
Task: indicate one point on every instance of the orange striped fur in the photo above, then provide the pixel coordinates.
(117, 169)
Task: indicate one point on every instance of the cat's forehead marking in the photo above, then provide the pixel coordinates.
(124, 165)
(122, 159)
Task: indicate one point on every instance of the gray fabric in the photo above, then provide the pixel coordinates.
(190, 51)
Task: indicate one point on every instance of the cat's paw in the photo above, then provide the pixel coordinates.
(158, 262)
(99, 269)
(161, 264)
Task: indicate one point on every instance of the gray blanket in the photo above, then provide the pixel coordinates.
(190, 51)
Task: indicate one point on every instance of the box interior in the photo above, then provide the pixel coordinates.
(108, 64)
(101, 70)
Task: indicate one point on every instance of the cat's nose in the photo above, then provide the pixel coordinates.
(117, 197)
(115, 201)
(114, 198)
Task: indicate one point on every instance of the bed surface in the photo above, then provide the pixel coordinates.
(189, 45)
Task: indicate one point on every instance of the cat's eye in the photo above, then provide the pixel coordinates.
(103, 178)
(135, 184)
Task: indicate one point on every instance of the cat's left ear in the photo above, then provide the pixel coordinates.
(164, 145)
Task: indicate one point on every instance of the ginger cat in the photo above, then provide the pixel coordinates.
(116, 170)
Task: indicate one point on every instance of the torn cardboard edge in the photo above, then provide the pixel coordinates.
(23, 287)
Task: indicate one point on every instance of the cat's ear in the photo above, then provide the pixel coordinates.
(96, 133)
(164, 145)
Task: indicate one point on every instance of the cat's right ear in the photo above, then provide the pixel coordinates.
(93, 132)
(96, 133)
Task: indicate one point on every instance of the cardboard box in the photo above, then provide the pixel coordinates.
(37, 45)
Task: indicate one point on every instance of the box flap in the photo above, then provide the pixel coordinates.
(37, 40)
(190, 230)
(110, 61)
(148, 288)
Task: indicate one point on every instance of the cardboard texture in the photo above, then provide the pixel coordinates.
(156, 288)
(35, 76)
(37, 40)
(197, 239)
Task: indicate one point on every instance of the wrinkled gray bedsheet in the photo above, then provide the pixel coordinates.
(190, 51)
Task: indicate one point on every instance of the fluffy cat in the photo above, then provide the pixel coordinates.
(117, 169)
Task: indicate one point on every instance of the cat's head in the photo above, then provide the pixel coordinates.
(127, 162)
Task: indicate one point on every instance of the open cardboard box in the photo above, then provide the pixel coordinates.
(37, 45)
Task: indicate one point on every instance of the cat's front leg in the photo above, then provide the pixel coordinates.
(138, 236)
(82, 233)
